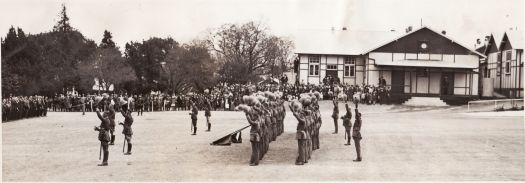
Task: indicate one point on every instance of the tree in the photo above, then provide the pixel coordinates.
(146, 58)
(108, 66)
(189, 67)
(63, 24)
(107, 41)
(248, 51)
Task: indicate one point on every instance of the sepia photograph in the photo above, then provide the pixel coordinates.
(262, 90)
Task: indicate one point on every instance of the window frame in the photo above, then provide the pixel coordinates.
(314, 62)
(507, 67)
(349, 69)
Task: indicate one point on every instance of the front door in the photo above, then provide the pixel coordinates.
(333, 74)
(398, 82)
(447, 83)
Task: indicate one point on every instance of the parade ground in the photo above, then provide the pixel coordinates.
(399, 144)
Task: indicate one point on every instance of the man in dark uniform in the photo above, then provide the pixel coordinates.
(301, 132)
(127, 131)
(255, 138)
(347, 123)
(103, 135)
(356, 134)
(335, 114)
(111, 116)
(193, 114)
(140, 106)
(83, 104)
(207, 113)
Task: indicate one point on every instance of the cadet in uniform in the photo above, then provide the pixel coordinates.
(127, 131)
(193, 115)
(103, 135)
(207, 113)
(347, 123)
(299, 114)
(335, 114)
(255, 137)
(356, 134)
(111, 116)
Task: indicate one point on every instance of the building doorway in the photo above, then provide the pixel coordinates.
(447, 83)
(398, 82)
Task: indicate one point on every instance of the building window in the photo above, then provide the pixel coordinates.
(349, 60)
(509, 55)
(314, 59)
(314, 65)
(507, 67)
(349, 69)
(314, 70)
(486, 72)
(331, 67)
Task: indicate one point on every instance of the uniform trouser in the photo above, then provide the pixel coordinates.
(194, 124)
(357, 142)
(301, 158)
(83, 109)
(140, 110)
(255, 153)
(208, 123)
(128, 140)
(335, 124)
(105, 150)
(348, 135)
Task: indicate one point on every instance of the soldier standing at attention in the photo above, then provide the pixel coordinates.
(335, 114)
(103, 135)
(127, 131)
(356, 134)
(140, 106)
(83, 104)
(207, 113)
(347, 123)
(193, 114)
(111, 116)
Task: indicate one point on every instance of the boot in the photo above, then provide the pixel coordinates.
(194, 130)
(129, 149)
(209, 127)
(105, 160)
(112, 140)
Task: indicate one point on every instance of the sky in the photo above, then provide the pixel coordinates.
(185, 20)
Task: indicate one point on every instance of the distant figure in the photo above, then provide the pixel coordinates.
(207, 114)
(103, 135)
(127, 131)
(347, 123)
(356, 134)
(193, 115)
(335, 114)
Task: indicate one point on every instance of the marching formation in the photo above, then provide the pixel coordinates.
(265, 113)
(306, 111)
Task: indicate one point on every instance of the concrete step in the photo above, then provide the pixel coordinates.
(425, 101)
(498, 95)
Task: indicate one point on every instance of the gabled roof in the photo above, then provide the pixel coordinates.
(515, 39)
(422, 28)
(339, 42)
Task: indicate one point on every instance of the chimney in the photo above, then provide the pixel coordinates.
(344, 28)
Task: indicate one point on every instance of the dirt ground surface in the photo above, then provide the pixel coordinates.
(399, 144)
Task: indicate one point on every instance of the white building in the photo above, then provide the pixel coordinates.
(422, 62)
